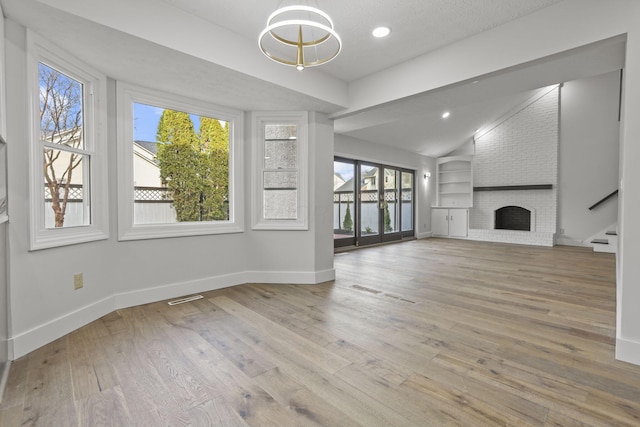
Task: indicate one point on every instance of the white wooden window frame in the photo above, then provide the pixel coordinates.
(94, 83)
(127, 95)
(258, 122)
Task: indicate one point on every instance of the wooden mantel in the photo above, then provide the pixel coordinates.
(515, 187)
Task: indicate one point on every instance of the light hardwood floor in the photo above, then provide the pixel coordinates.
(432, 332)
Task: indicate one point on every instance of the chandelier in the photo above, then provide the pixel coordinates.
(300, 36)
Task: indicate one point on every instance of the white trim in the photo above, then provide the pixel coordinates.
(385, 162)
(47, 332)
(426, 235)
(174, 290)
(94, 123)
(258, 121)
(297, 277)
(3, 102)
(127, 94)
(628, 351)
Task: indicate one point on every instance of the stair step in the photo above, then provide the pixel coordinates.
(600, 241)
(611, 233)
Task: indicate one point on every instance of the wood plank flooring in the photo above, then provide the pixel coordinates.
(432, 332)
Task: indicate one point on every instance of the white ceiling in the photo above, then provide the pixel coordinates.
(418, 27)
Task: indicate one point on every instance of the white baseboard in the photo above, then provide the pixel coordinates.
(424, 235)
(628, 351)
(35, 338)
(175, 290)
(325, 276)
(301, 277)
(567, 241)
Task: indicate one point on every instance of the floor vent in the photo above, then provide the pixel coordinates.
(185, 299)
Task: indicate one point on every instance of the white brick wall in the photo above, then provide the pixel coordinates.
(522, 150)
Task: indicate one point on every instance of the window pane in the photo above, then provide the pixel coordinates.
(280, 204)
(280, 154)
(280, 146)
(280, 195)
(407, 201)
(344, 207)
(391, 207)
(180, 166)
(280, 200)
(61, 108)
(369, 209)
(280, 180)
(280, 131)
(65, 188)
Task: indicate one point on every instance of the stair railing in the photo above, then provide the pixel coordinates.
(604, 199)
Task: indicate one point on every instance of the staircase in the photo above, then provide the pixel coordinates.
(605, 241)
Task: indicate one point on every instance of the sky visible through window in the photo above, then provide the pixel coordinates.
(345, 170)
(146, 119)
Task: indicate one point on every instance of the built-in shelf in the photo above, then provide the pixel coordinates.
(455, 181)
(453, 170)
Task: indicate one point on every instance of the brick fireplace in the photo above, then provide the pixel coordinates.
(516, 165)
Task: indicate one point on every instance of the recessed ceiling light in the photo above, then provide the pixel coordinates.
(446, 114)
(381, 32)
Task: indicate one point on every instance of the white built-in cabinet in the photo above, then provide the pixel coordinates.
(454, 197)
(450, 222)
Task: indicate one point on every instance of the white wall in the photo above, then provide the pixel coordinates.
(589, 156)
(4, 306)
(310, 250)
(44, 304)
(628, 297)
(353, 148)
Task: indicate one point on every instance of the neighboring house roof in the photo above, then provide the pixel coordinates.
(150, 146)
(338, 180)
(347, 187)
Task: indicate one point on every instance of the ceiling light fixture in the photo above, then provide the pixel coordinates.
(301, 36)
(446, 114)
(381, 32)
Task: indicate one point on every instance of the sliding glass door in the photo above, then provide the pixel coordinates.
(344, 205)
(370, 199)
(373, 203)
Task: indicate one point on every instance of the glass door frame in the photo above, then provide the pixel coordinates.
(354, 208)
(398, 195)
(368, 238)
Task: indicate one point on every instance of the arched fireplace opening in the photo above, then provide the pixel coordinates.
(513, 218)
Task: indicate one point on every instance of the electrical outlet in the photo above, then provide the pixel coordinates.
(78, 281)
(562, 231)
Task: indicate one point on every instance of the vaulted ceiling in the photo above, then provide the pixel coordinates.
(208, 49)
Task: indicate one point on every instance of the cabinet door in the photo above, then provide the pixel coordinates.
(458, 222)
(440, 222)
